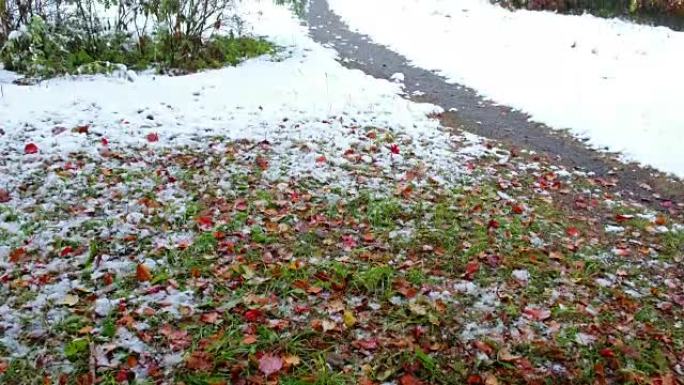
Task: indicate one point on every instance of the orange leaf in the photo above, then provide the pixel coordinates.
(143, 273)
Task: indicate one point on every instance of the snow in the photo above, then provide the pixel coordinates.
(240, 102)
(616, 82)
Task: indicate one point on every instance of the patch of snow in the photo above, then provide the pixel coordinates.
(616, 82)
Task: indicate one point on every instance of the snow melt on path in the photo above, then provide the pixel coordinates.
(618, 83)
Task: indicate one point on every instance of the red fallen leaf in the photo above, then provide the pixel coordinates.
(301, 309)
(16, 254)
(253, 315)
(493, 224)
(104, 142)
(394, 149)
(607, 353)
(81, 129)
(200, 361)
(66, 251)
(366, 344)
(107, 279)
(152, 137)
(536, 314)
(210, 318)
(241, 205)
(348, 241)
(30, 149)
(518, 209)
(408, 379)
(262, 162)
(143, 273)
(474, 379)
(471, 268)
(321, 159)
(270, 364)
(4, 196)
(205, 222)
(121, 375)
(572, 232)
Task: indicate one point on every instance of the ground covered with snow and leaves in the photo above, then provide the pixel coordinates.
(291, 221)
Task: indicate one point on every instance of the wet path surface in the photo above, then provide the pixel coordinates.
(468, 111)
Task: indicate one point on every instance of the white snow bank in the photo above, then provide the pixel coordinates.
(618, 83)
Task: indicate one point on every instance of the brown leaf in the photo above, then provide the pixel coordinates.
(200, 361)
(4, 196)
(143, 273)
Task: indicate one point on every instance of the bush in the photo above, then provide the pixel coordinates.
(662, 12)
(176, 36)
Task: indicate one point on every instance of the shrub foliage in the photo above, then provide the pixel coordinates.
(52, 37)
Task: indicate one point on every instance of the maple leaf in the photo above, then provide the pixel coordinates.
(270, 364)
(30, 149)
(143, 273)
(104, 142)
(152, 137)
(4, 196)
(394, 149)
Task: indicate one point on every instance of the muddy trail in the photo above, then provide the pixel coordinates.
(466, 110)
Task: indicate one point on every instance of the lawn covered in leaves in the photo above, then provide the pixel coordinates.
(224, 262)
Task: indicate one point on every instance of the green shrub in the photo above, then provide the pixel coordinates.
(79, 42)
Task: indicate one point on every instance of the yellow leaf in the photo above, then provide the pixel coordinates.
(349, 319)
(69, 300)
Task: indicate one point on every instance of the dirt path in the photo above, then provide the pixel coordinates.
(474, 114)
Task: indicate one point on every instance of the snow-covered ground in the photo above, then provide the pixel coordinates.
(303, 83)
(616, 82)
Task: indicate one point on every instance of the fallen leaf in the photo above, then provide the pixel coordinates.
(349, 319)
(210, 318)
(30, 149)
(4, 196)
(408, 379)
(249, 340)
(143, 273)
(572, 232)
(152, 137)
(270, 364)
(200, 361)
(69, 300)
(537, 314)
(292, 360)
